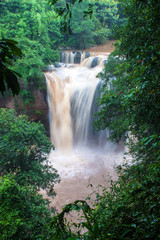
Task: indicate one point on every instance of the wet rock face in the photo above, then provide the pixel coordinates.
(94, 62)
(37, 111)
(74, 57)
(77, 58)
(87, 54)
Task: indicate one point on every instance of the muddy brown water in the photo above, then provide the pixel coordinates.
(82, 173)
(107, 47)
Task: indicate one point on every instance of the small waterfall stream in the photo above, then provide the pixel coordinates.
(80, 153)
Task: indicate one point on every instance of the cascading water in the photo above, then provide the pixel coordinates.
(73, 89)
(80, 154)
(72, 93)
(59, 106)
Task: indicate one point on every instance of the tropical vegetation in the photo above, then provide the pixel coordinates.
(89, 31)
(129, 107)
(24, 148)
(25, 171)
(21, 211)
(35, 27)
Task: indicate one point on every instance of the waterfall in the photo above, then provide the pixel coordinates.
(75, 57)
(59, 106)
(72, 93)
(82, 155)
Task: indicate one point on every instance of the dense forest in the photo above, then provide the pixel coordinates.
(36, 27)
(30, 39)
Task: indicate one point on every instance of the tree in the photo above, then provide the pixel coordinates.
(135, 90)
(89, 31)
(107, 12)
(23, 212)
(82, 28)
(24, 150)
(130, 208)
(36, 29)
(64, 8)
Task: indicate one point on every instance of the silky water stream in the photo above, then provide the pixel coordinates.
(81, 156)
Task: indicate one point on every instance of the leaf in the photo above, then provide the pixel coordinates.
(12, 81)
(15, 50)
(2, 85)
(11, 41)
(67, 5)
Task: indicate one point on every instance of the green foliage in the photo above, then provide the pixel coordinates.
(21, 211)
(75, 25)
(24, 149)
(135, 91)
(130, 208)
(81, 27)
(36, 29)
(27, 97)
(62, 229)
(128, 106)
(112, 112)
(107, 12)
(8, 53)
(65, 9)
(101, 34)
(110, 16)
(88, 30)
(86, 21)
